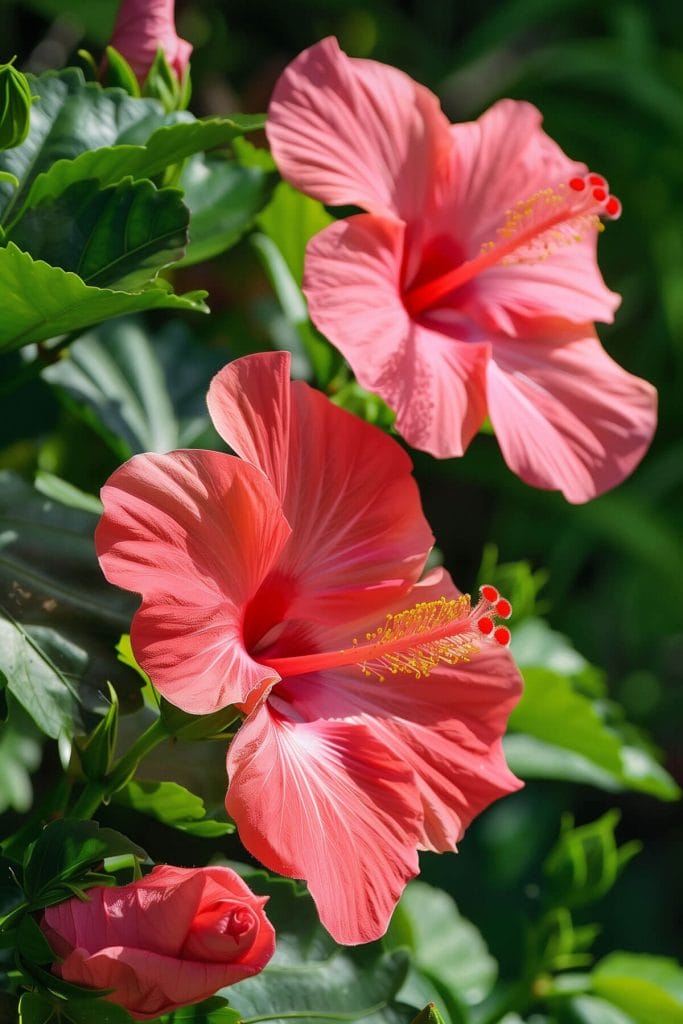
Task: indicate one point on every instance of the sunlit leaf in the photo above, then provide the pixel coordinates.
(127, 386)
(172, 805)
(41, 301)
(224, 199)
(115, 237)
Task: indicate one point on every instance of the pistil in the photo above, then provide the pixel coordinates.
(532, 229)
(414, 641)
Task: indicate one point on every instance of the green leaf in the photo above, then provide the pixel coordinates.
(162, 148)
(173, 805)
(20, 754)
(62, 619)
(41, 301)
(35, 1008)
(126, 385)
(224, 199)
(648, 988)
(66, 849)
(41, 667)
(120, 236)
(32, 944)
(589, 1010)
(61, 491)
(532, 758)
(69, 118)
(310, 977)
(586, 861)
(211, 1011)
(446, 948)
(86, 1011)
(563, 710)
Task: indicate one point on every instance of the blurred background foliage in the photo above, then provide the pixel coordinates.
(608, 78)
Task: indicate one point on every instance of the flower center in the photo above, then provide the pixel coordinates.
(533, 229)
(414, 641)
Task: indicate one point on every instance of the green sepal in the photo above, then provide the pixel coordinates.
(120, 73)
(429, 1015)
(96, 752)
(85, 62)
(162, 84)
(586, 861)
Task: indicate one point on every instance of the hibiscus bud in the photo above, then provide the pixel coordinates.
(144, 27)
(15, 106)
(168, 940)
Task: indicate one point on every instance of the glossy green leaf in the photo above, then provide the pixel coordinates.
(211, 1011)
(32, 944)
(118, 237)
(146, 158)
(309, 976)
(66, 849)
(20, 755)
(35, 1008)
(69, 118)
(42, 301)
(41, 666)
(173, 805)
(224, 199)
(127, 386)
(563, 709)
(85, 1011)
(61, 618)
(648, 988)
(446, 947)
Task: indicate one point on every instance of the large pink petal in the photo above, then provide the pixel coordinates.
(499, 159)
(195, 533)
(350, 131)
(358, 532)
(435, 383)
(329, 803)
(503, 159)
(566, 416)
(446, 727)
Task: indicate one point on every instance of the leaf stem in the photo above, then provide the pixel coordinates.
(99, 791)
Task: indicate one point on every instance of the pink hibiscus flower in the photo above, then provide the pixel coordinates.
(287, 581)
(144, 26)
(471, 284)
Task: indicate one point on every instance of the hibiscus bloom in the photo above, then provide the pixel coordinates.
(470, 285)
(145, 26)
(286, 580)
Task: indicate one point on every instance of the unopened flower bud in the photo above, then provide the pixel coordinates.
(15, 106)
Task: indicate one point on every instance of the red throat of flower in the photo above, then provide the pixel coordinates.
(532, 230)
(413, 642)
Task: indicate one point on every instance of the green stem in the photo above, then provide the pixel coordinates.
(97, 792)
